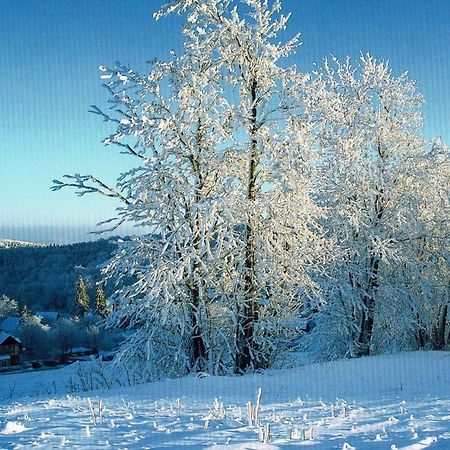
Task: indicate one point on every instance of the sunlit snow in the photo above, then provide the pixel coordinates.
(385, 402)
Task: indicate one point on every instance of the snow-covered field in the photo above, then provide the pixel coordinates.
(386, 402)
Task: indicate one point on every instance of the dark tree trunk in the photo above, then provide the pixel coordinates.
(249, 312)
(365, 336)
(199, 353)
(438, 342)
(199, 350)
(421, 336)
(366, 331)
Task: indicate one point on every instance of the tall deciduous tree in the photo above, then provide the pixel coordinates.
(273, 213)
(376, 171)
(428, 273)
(223, 183)
(179, 122)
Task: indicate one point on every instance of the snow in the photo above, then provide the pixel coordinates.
(390, 401)
(13, 428)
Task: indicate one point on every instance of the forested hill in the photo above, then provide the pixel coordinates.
(9, 243)
(44, 277)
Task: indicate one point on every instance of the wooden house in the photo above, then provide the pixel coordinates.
(10, 350)
(48, 317)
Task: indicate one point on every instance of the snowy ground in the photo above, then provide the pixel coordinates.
(386, 402)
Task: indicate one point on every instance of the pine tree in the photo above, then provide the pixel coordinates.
(101, 303)
(82, 301)
(25, 312)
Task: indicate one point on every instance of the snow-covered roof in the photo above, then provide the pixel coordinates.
(49, 316)
(4, 357)
(10, 324)
(4, 336)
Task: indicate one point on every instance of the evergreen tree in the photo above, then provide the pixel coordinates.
(101, 304)
(25, 312)
(81, 305)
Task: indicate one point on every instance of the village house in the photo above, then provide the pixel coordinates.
(10, 350)
(48, 317)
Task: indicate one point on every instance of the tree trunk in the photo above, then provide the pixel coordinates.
(365, 336)
(199, 349)
(438, 342)
(199, 353)
(248, 313)
(421, 335)
(366, 331)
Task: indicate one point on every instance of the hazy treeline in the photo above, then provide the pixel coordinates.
(44, 278)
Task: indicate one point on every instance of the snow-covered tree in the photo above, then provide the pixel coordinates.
(65, 335)
(375, 181)
(8, 307)
(35, 337)
(25, 313)
(272, 210)
(428, 273)
(223, 184)
(179, 123)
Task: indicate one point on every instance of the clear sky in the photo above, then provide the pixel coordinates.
(50, 51)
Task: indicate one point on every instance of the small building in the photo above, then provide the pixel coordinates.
(10, 325)
(10, 350)
(48, 317)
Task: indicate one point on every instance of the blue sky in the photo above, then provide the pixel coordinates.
(50, 51)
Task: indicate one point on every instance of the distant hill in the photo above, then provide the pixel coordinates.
(62, 234)
(43, 277)
(10, 243)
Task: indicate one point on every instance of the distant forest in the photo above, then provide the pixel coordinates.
(44, 277)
